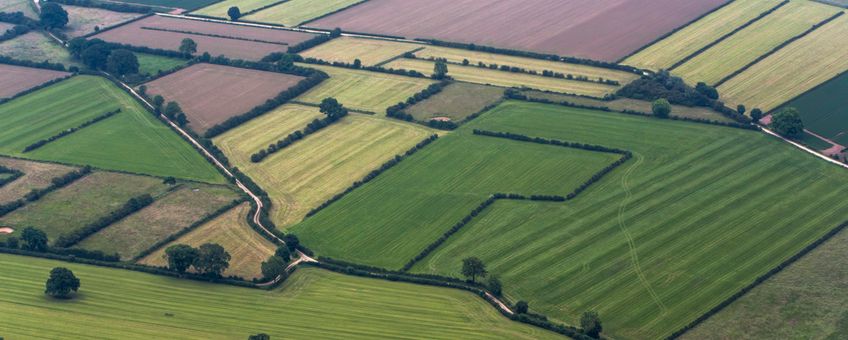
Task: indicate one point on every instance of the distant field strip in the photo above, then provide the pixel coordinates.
(219, 9)
(312, 304)
(17, 79)
(666, 52)
(296, 12)
(793, 70)
(824, 110)
(369, 51)
(473, 74)
(761, 37)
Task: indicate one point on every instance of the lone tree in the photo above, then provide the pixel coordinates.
(33, 239)
(787, 123)
(188, 46)
(741, 109)
(661, 108)
(53, 16)
(121, 63)
(234, 13)
(332, 108)
(172, 109)
(472, 268)
(273, 267)
(521, 307)
(180, 257)
(212, 259)
(591, 324)
(260, 336)
(440, 69)
(756, 114)
(61, 282)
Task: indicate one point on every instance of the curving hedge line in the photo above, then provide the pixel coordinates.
(36, 194)
(15, 174)
(131, 206)
(67, 132)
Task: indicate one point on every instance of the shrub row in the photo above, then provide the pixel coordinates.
(333, 12)
(373, 174)
(14, 32)
(516, 69)
(66, 132)
(396, 111)
(112, 6)
(317, 40)
(36, 88)
(36, 194)
(213, 35)
(18, 18)
(15, 174)
(44, 64)
(314, 126)
(379, 69)
(103, 29)
(139, 49)
(134, 204)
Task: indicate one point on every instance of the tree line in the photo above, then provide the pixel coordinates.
(66, 132)
(333, 110)
(13, 175)
(111, 6)
(357, 65)
(209, 259)
(131, 206)
(36, 194)
(396, 111)
(518, 69)
(33, 239)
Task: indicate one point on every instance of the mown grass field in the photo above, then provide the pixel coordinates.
(761, 37)
(314, 169)
(169, 214)
(369, 51)
(37, 47)
(793, 70)
(363, 90)
(36, 176)
(151, 64)
(824, 110)
(247, 248)
(473, 74)
(219, 9)
(81, 203)
(456, 101)
(696, 215)
(667, 52)
(312, 304)
(296, 12)
(393, 218)
(805, 301)
(133, 140)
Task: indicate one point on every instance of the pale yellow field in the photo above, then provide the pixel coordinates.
(321, 165)
(793, 70)
(369, 51)
(296, 12)
(246, 247)
(257, 133)
(364, 90)
(219, 9)
(458, 55)
(473, 74)
(761, 37)
(663, 54)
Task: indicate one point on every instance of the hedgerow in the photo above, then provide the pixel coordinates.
(67, 132)
(134, 204)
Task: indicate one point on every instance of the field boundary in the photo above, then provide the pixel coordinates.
(36, 194)
(66, 132)
(109, 28)
(212, 35)
(14, 174)
(399, 56)
(322, 16)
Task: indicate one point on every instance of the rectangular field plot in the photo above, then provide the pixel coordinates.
(210, 94)
(181, 4)
(16, 79)
(601, 30)
(219, 9)
(369, 51)
(307, 173)
(824, 110)
(793, 70)
(83, 20)
(393, 218)
(239, 42)
(247, 248)
(151, 64)
(81, 202)
(456, 102)
(24, 6)
(37, 175)
(745, 46)
(314, 304)
(168, 214)
(693, 218)
(37, 47)
(665, 53)
(485, 76)
(296, 12)
(363, 90)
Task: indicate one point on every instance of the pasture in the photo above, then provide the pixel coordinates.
(296, 12)
(132, 140)
(23, 6)
(37, 47)
(363, 90)
(597, 30)
(824, 110)
(247, 248)
(457, 101)
(795, 69)
(312, 304)
(17, 79)
(666, 52)
(307, 173)
(219, 8)
(485, 76)
(745, 46)
(81, 202)
(369, 51)
(83, 20)
(37, 175)
(210, 94)
(168, 214)
(151, 64)
(694, 217)
(391, 219)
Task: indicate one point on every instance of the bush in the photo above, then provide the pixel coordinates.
(787, 122)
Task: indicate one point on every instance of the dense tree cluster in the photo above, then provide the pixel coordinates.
(67, 132)
(661, 108)
(33, 239)
(209, 259)
(329, 106)
(13, 175)
(234, 13)
(53, 16)
(61, 283)
(591, 324)
(134, 204)
(100, 55)
(14, 32)
(440, 69)
(787, 122)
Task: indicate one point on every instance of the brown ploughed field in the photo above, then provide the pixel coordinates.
(16, 79)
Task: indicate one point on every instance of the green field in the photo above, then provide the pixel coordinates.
(296, 12)
(824, 110)
(393, 218)
(169, 214)
(745, 46)
(314, 169)
(133, 140)
(473, 74)
(219, 9)
(312, 304)
(81, 203)
(363, 90)
(667, 52)
(369, 51)
(37, 47)
(456, 101)
(150, 64)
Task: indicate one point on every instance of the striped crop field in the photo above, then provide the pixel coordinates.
(485, 76)
(394, 217)
(665, 53)
(369, 51)
(699, 213)
(219, 9)
(296, 12)
(310, 171)
(312, 304)
(745, 46)
(792, 71)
